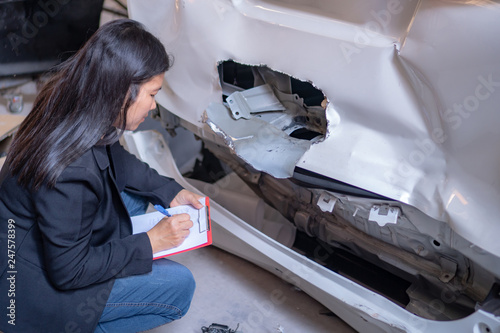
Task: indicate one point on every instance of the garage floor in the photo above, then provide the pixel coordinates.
(232, 291)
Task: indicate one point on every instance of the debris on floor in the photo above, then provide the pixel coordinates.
(218, 328)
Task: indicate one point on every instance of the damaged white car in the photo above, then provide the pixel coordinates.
(370, 126)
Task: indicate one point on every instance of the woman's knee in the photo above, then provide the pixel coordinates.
(180, 282)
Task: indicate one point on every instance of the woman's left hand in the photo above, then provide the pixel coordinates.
(185, 197)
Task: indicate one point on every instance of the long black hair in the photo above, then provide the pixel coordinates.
(85, 101)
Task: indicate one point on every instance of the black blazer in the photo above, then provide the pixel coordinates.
(72, 241)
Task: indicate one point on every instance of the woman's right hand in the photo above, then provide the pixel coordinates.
(169, 232)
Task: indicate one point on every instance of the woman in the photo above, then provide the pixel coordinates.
(73, 264)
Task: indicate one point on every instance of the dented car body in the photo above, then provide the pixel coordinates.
(369, 125)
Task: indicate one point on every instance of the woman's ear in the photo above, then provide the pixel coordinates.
(133, 92)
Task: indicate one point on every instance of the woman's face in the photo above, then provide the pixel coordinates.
(144, 102)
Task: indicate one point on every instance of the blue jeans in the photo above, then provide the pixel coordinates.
(142, 302)
(136, 205)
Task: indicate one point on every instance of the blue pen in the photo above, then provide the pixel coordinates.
(162, 210)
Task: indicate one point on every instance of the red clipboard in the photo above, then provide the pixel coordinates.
(206, 243)
(200, 234)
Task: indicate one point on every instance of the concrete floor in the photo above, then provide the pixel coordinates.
(232, 291)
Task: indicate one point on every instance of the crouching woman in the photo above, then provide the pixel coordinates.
(76, 266)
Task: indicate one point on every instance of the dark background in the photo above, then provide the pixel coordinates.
(37, 34)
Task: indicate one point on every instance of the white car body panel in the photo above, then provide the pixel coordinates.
(412, 113)
(413, 88)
